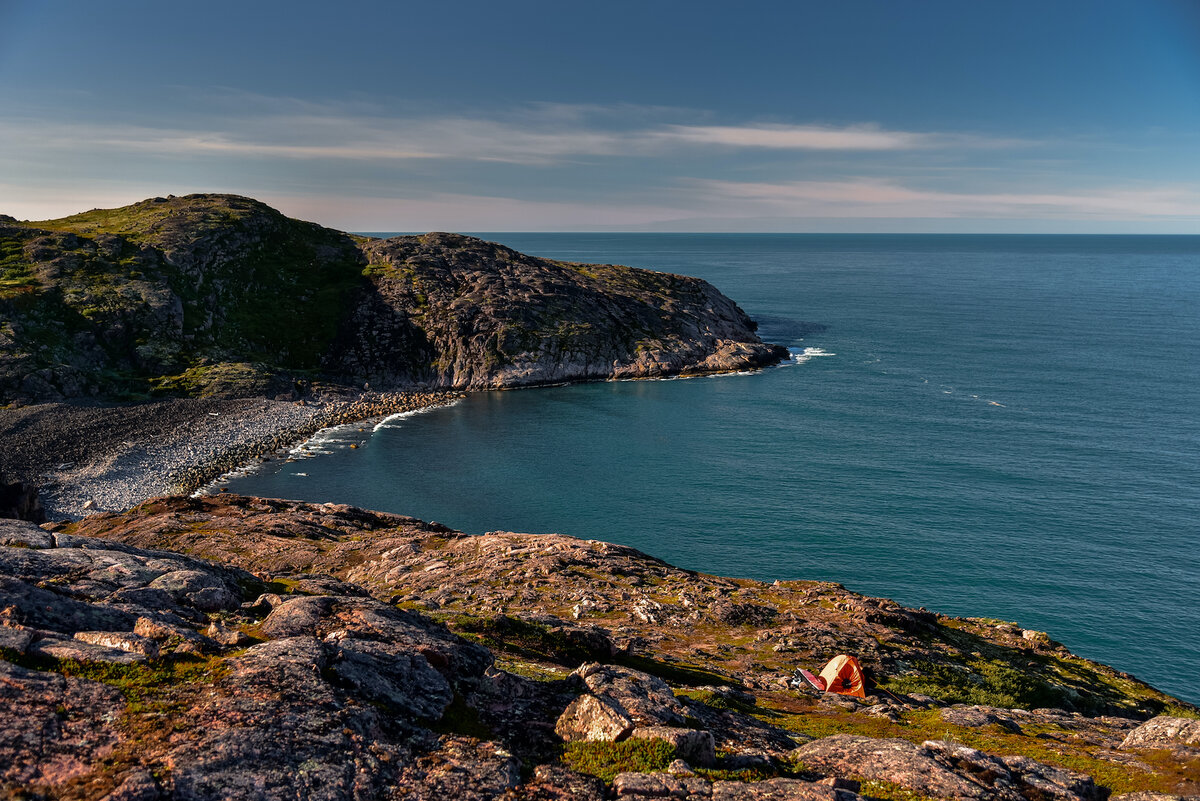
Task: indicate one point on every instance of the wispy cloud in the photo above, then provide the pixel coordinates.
(538, 134)
(798, 137)
(877, 198)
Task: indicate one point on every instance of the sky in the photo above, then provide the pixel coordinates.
(1055, 116)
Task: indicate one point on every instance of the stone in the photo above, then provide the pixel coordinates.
(891, 760)
(15, 638)
(219, 633)
(57, 646)
(977, 716)
(591, 718)
(1164, 731)
(645, 699)
(121, 640)
(53, 728)
(696, 747)
(781, 790)
(660, 785)
(199, 589)
(297, 616)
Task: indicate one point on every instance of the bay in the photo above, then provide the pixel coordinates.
(993, 426)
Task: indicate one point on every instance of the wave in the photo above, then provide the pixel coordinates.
(801, 355)
(388, 422)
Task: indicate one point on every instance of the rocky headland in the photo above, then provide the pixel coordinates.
(220, 295)
(230, 647)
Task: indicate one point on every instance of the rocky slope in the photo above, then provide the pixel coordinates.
(222, 295)
(231, 647)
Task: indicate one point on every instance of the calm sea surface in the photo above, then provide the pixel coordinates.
(994, 426)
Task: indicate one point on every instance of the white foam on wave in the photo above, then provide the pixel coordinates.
(802, 355)
(390, 420)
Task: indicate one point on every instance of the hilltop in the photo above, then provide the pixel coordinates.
(220, 295)
(231, 647)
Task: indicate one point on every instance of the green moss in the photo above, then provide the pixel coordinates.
(215, 380)
(138, 682)
(16, 273)
(675, 673)
(513, 635)
(984, 682)
(606, 759)
(889, 791)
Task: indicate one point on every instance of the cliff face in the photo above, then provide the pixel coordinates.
(463, 313)
(233, 647)
(219, 294)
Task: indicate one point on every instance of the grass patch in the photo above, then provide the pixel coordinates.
(605, 760)
(983, 682)
(675, 673)
(138, 682)
(521, 637)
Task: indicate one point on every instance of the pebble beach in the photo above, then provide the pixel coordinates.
(89, 459)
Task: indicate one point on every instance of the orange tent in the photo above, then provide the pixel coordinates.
(844, 676)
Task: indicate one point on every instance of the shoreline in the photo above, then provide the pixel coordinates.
(89, 459)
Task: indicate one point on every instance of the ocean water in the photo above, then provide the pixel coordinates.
(993, 426)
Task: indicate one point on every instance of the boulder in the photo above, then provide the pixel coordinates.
(1164, 732)
(592, 718)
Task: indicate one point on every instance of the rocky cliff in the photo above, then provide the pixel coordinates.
(222, 295)
(233, 647)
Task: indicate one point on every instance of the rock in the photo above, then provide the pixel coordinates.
(1029, 777)
(56, 646)
(743, 614)
(20, 501)
(199, 589)
(460, 769)
(121, 640)
(556, 783)
(53, 728)
(645, 699)
(15, 638)
(394, 675)
(783, 790)
(138, 786)
(592, 718)
(297, 616)
(694, 746)
(944, 770)
(976, 716)
(660, 785)
(222, 635)
(24, 533)
(1163, 732)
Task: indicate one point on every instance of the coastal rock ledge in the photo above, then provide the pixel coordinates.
(230, 647)
(220, 295)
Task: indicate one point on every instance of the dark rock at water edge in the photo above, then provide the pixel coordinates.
(19, 501)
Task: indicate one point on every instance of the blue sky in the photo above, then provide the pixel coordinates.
(688, 116)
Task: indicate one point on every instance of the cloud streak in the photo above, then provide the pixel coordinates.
(543, 134)
(877, 198)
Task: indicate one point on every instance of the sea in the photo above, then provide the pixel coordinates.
(998, 426)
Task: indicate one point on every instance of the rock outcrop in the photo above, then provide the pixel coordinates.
(219, 295)
(233, 647)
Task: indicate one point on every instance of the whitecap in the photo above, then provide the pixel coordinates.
(391, 419)
(800, 356)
